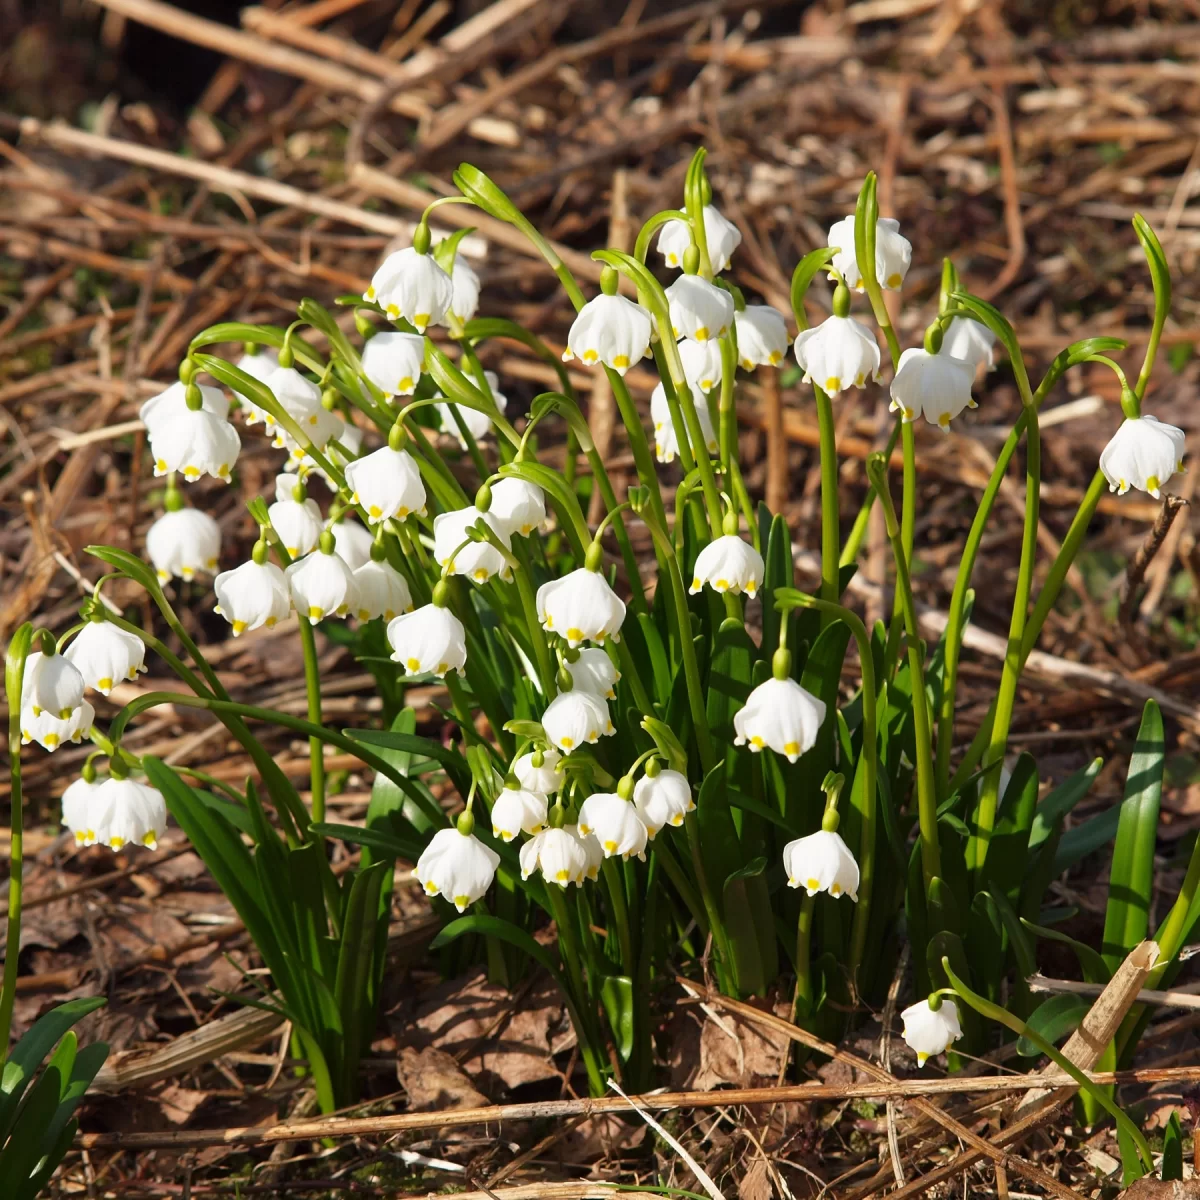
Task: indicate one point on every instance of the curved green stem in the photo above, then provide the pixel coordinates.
(620, 914)
(537, 635)
(803, 994)
(641, 246)
(859, 530)
(830, 529)
(312, 687)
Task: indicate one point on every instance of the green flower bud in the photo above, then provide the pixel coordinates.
(691, 259)
(422, 238)
(466, 822)
(193, 397)
(326, 543)
(841, 300)
(286, 357)
(609, 280)
(933, 338)
(654, 768)
(483, 498)
(781, 663)
(441, 593)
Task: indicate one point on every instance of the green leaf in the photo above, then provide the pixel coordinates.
(746, 903)
(1160, 272)
(1051, 811)
(658, 657)
(1008, 855)
(354, 985)
(385, 844)
(1172, 1159)
(1053, 1019)
(669, 746)
(728, 683)
(806, 271)
(24, 1148)
(506, 931)
(1086, 838)
(127, 563)
(720, 846)
(1093, 966)
(617, 996)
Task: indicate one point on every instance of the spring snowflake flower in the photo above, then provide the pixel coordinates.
(195, 443)
(575, 717)
(351, 543)
(762, 336)
(295, 518)
(382, 591)
(258, 363)
(609, 329)
(322, 584)
(593, 852)
(721, 234)
(666, 444)
(465, 284)
(253, 595)
(839, 353)
(393, 362)
(1144, 453)
(520, 507)
(432, 640)
(387, 483)
(893, 253)
(594, 671)
(558, 853)
(476, 560)
(124, 812)
(106, 655)
(968, 340)
(615, 824)
(411, 285)
(478, 424)
(781, 715)
(518, 810)
(300, 398)
(581, 607)
(821, 862)
(183, 541)
(50, 731)
(168, 406)
(458, 866)
(702, 366)
(935, 385)
(52, 683)
(663, 799)
(349, 437)
(728, 564)
(929, 1031)
(543, 779)
(77, 810)
(699, 310)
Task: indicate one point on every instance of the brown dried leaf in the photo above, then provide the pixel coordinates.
(738, 1054)
(433, 1080)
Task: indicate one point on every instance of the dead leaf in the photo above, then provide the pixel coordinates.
(738, 1054)
(433, 1081)
(756, 1183)
(180, 1103)
(1156, 1189)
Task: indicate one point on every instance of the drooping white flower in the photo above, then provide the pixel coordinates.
(558, 854)
(935, 385)
(593, 852)
(478, 424)
(348, 436)
(615, 824)
(838, 354)
(351, 542)
(50, 731)
(929, 1031)
(195, 443)
(519, 506)
(182, 542)
(393, 362)
(518, 810)
(258, 364)
(458, 866)
(699, 310)
(893, 253)
(728, 564)
(106, 655)
(781, 715)
(543, 779)
(1144, 453)
(581, 607)
(321, 585)
(77, 810)
(413, 286)
(762, 336)
(575, 717)
(595, 672)
(431, 639)
(124, 812)
(252, 595)
(702, 366)
(476, 560)
(172, 403)
(52, 683)
(663, 799)
(721, 234)
(465, 283)
(666, 444)
(968, 340)
(609, 329)
(298, 522)
(821, 862)
(300, 398)
(387, 483)
(382, 591)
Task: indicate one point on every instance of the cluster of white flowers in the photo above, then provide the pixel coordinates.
(115, 813)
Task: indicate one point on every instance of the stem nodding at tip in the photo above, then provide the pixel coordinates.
(422, 238)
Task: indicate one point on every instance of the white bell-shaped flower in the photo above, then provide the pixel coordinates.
(1144, 453)
(382, 591)
(393, 362)
(935, 385)
(821, 862)
(929, 1031)
(762, 336)
(544, 778)
(411, 285)
(348, 436)
(52, 683)
(322, 585)
(721, 234)
(195, 443)
(182, 542)
(968, 340)
(781, 715)
(593, 853)
(465, 284)
(581, 607)
(518, 810)
(106, 655)
(728, 564)
(558, 854)
(169, 405)
(615, 824)
(300, 398)
(838, 354)
(298, 522)
(609, 329)
(666, 444)
(351, 543)
(595, 672)
(387, 483)
(702, 365)
(478, 424)
(663, 799)
(519, 506)
(253, 595)
(258, 363)
(457, 866)
(476, 560)
(431, 639)
(893, 253)
(50, 731)
(124, 812)
(575, 717)
(699, 310)
(77, 810)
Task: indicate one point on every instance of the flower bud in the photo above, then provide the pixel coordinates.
(194, 398)
(654, 768)
(781, 663)
(691, 259)
(364, 325)
(187, 371)
(286, 357)
(466, 823)
(609, 280)
(841, 301)
(483, 498)
(421, 238)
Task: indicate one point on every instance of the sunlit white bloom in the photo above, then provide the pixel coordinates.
(780, 714)
(539, 779)
(478, 424)
(258, 364)
(593, 853)
(106, 655)
(519, 506)
(821, 862)
(518, 810)
(351, 542)
(172, 403)
(194, 443)
(663, 799)
(762, 336)
(837, 354)
(575, 717)
(476, 560)
(666, 444)
(721, 234)
(968, 340)
(387, 483)
(382, 591)
(412, 286)
(609, 329)
(615, 824)
(702, 366)
(893, 253)
(393, 362)
(52, 683)
(300, 398)
(699, 310)
(321, 586)
(50, 731)
(728, 564)
(929, 1031)
(581, 607)
(465, 284)
(1144, 453)
(595, 672)
(124, 812)
(458, 866)
(182, 542)
(298, 522)
(558, 853)
(432, 640)
(934, 385)
(77, 810)
(252, 595)
(349, 436)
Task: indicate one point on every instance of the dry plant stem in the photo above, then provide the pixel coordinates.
(1150, 546)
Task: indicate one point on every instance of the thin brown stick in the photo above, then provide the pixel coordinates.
(1151, 544)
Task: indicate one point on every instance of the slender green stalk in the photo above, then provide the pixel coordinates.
(908, 517)
(619, 914)
(632, 676)
(537, 635)
(687, 448)
(858, 531)
(803, 994)
(312, 687)
(727, 433)
(830, 530)
(682, 884)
